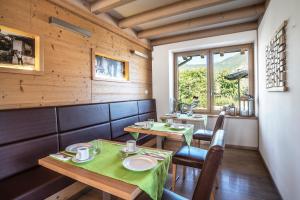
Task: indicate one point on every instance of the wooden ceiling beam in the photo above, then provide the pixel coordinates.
(87, 15)
(206, 33)
(242, 13)
(167, 11)
(106, 5)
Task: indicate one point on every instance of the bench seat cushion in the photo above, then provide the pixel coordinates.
(37, 183)
(143, 138)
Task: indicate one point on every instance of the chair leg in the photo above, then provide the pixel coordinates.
(217, 180)
(174, 174)
(183, 172)
(212, 195)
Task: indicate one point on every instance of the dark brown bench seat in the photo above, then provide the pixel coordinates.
(37, 183)
(127, 113)
(26, 135)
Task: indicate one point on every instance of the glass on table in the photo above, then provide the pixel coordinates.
(205, 121)
(97, 145)
(151, 121)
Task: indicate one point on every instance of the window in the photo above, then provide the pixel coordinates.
(218, 77)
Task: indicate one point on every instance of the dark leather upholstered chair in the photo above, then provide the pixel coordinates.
(207, 135)
(205, 183)
(190, 157)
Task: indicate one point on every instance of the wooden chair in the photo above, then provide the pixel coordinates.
(205, 185)
(188, 156)
(207, 135)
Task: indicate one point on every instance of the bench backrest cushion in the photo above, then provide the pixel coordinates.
(146, 106)
(75, 117)
(20, 156)
(117, 127)
(121, 110)
(101, 131)
(17, 125)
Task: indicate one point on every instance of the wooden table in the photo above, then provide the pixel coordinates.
(184, 119)
(198, 122)
(106, 184)
(160, 134)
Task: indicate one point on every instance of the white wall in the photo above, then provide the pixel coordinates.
(163, 81)
(279, 112)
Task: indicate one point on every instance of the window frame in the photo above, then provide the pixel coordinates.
(210, 79)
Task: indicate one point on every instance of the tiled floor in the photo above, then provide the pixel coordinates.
(242, 177)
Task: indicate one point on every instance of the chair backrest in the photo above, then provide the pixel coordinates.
(220, 121)
(210, 168)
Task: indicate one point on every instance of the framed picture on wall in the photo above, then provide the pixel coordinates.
(109, 68)
(20, 52)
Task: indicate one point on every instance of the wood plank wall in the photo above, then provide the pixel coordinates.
(67, 61)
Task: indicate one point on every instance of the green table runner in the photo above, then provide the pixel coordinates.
(187, 132)
(109, 163)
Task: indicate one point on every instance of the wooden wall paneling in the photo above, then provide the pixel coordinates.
(67, 61)
(104, 91)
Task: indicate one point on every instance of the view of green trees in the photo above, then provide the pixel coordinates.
(192, 81)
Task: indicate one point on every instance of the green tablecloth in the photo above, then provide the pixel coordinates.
(187, 132)
(109, 163)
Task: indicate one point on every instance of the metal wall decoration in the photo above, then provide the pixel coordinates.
(276, 61)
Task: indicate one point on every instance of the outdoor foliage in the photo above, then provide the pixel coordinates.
(192, 82)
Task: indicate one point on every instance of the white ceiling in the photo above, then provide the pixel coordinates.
(139, 6)
(205, 27)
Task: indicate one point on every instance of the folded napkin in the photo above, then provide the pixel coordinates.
(60, 156)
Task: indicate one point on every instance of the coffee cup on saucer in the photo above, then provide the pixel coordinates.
(131, 146)
(83, 153)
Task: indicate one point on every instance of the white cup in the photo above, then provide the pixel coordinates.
(148, 125)
(83, 153)
(169, 122)
(131, 145)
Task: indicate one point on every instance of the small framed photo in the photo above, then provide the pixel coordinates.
(20, 52)
(109, 68)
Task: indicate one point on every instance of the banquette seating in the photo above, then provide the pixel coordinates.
(127, 113)
(27, 135)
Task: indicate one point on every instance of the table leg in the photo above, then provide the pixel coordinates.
(159, 141)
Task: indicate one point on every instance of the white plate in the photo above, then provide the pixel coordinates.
(82, 161)
(170, 115)
(139, 163)
(140, 123)
(124, 149)
(177, 127)
(73, 148)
